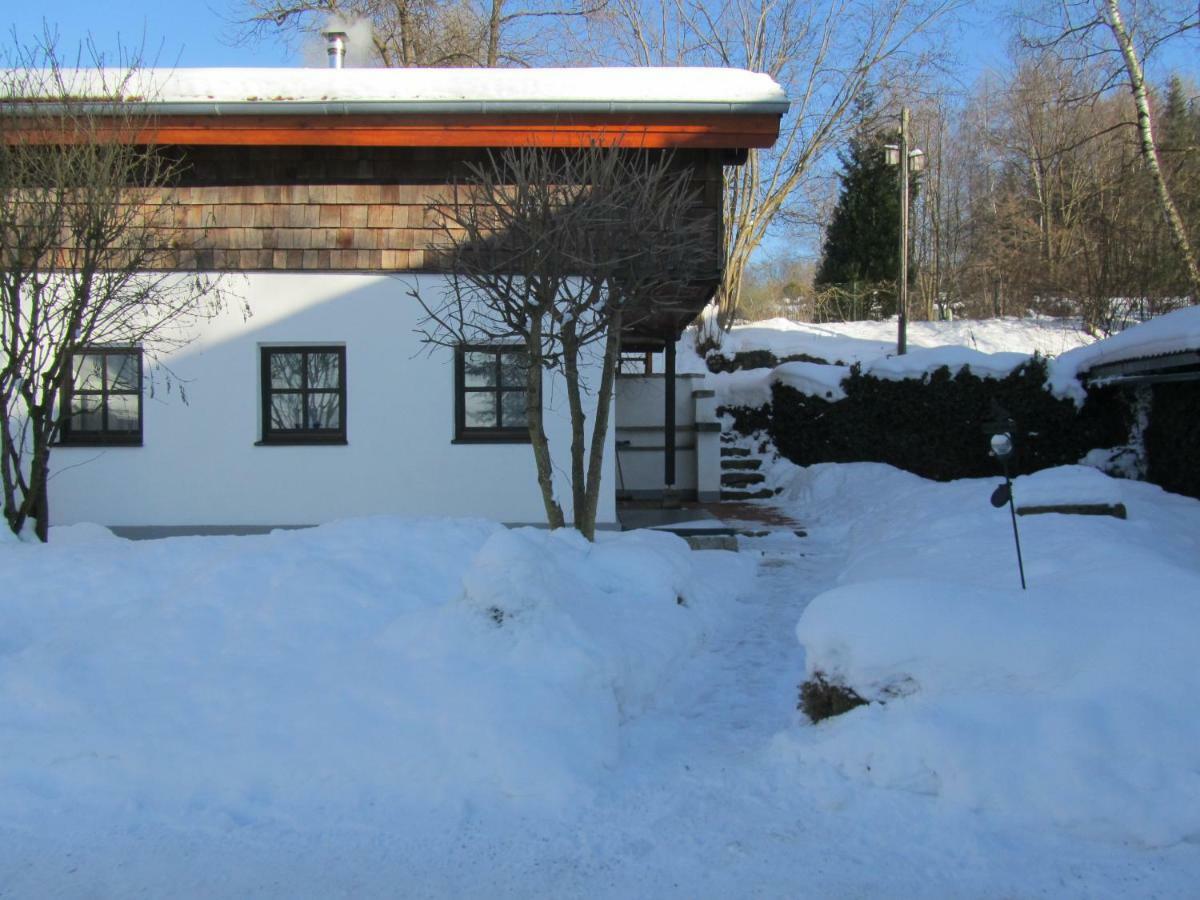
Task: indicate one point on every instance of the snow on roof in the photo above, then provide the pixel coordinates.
(704, 89)
(1174, 332)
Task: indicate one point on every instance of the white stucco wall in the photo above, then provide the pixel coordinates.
(199, 466)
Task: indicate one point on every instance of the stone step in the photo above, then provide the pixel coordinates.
(764, 494)
(752, 463)
(735, 451)
(741, 479)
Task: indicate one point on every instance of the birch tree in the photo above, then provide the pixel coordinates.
(1121, 36)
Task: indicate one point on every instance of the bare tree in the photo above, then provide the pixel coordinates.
(563, 251)
(409, 33)
(1120, 38)
(825, 55)
(86, 234)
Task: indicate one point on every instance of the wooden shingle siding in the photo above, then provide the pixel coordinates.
(341, 209)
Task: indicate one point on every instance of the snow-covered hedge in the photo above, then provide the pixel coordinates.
(928, 417)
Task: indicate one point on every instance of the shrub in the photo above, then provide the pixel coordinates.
(821, 698)
(1173, 437)
(934, 427)
(755, 359)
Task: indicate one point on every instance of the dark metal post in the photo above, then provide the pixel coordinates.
(669, 416)
(902, 283)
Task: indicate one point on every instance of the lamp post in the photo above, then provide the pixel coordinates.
(909, 161)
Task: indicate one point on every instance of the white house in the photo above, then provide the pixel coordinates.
(309, 189)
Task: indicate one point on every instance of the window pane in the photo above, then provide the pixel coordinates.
(513, 411)
(123, 372)
(479, 369)
(287, 412)
(89, 372)
(512, 369)
(85, 413)
(324, 412)
(286, 369)
(480, 409)
(324, 370)
(122, 412)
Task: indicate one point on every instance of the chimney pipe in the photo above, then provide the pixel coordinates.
(336, 48)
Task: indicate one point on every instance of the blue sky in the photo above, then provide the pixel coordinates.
(172, 33)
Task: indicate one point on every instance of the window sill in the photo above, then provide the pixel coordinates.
(492, 439)
(94, 443)
(303, 442)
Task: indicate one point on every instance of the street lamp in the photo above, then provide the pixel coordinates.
(909, 160)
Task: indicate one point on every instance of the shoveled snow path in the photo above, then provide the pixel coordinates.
(699, 806)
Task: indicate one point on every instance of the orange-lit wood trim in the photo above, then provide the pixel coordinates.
(651, 132)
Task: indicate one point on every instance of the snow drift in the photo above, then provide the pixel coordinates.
(343, 674)
(1069, 703)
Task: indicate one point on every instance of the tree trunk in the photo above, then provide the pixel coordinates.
(578, 419)
(612, 354)
(1149, 151)
(493, 41)
(537, 438)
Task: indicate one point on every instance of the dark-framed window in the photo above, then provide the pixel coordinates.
(491, 400)
(102, 398)
(303, 395)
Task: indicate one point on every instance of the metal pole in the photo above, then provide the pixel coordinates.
(902, 287)
(669, 415)
(1012, 508)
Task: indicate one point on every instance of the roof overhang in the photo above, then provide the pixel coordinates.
(643, 108)
(1167, 367)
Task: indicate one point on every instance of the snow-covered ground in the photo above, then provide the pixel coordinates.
(444, 708)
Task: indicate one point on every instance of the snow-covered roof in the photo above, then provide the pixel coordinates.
(1172, 333)
(258, 90)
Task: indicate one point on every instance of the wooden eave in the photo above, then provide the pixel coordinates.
(716, 131)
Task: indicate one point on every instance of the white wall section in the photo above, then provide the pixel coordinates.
(199, 465)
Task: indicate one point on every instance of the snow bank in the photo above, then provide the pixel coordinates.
(1170, 333)
(1067, 704)
(813, 379)
(865, 342)
(1067, 485)
(921, 362)
(989, 348)
(349, 674)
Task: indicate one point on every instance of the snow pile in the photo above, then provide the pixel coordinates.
(813, 379)
(352, 674)
(1173, 332)
(864, 342)
(922, 362)
(989, 348)
(1067, 486)
(1068, 704)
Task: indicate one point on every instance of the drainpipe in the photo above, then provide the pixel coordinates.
(670, 500)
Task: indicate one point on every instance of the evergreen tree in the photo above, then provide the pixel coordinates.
(860, 257)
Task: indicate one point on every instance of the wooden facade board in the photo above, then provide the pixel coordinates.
(658, 131)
